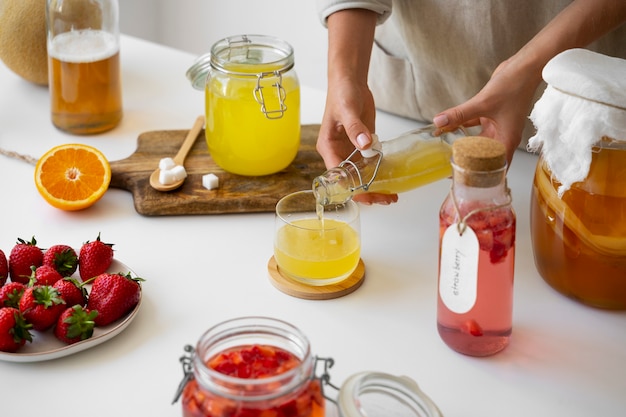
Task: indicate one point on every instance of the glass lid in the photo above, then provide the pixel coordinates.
(375, 394)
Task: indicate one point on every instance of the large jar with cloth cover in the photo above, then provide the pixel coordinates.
(578, 203)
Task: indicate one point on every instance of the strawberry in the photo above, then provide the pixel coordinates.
(95, 258)
(112, 296)
(22, 257)
(45, 275)
(75, 324)
(11, 293)
(472, 327)
(4, 268)
(71, 291)
(41, 306)
(63, 258)
(14, 331)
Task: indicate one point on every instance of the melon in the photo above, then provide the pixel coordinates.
(23, 39)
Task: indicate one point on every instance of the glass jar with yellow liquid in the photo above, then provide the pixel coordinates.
(252, 97)
(578, 201)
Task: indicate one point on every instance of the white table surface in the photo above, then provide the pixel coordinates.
(565, 359)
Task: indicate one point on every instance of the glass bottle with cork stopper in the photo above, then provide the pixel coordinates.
(477, 251)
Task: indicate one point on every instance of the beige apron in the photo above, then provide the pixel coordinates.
(430, 55)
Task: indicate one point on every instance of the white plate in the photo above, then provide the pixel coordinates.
(46, 346)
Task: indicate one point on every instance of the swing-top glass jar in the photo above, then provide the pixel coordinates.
(253, 366)
(261, 366)
(578, 205)
(252, 98)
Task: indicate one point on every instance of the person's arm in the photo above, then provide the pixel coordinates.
(349, 116)
(502, 106)
(349, 103)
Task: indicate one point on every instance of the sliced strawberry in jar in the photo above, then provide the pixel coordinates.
(472, 327)
(485, 239)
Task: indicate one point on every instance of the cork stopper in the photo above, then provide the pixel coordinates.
(481, 160)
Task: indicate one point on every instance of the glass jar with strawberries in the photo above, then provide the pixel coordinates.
(254, 367)
(263, 367)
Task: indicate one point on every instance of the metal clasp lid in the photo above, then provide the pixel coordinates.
(325, 376)
(197, 73)
(280, 93)
(376, 394)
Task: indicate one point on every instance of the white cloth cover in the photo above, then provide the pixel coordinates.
(584, 101)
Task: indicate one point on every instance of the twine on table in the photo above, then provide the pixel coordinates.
(21, 157)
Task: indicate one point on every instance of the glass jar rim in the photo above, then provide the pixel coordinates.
(221, 53)
(606, 142)
(237, 332)
(283, 60)
(304, 201)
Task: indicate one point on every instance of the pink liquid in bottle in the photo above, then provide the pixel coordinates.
(485, 328)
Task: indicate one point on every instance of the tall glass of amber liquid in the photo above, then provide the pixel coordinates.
(84, 65)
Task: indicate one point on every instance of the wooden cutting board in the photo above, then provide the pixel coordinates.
(236, 193)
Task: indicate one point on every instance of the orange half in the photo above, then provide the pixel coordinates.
(72, 176)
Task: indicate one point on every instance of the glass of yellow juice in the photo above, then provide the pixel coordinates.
(313, 244)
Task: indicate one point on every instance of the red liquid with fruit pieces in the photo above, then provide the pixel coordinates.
(486, 328)
(254, 362)
(579, 240)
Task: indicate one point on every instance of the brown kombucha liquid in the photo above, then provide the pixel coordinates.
(85, 84)
(579, 240)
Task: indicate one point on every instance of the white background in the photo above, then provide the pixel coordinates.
(194, 25)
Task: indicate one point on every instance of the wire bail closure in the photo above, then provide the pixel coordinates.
(186, 362)
(324, 378)
(362, 185)
(280, 93)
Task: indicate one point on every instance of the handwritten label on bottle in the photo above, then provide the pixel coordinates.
(458, 271)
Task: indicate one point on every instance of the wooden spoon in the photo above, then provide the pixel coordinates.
(179, 159)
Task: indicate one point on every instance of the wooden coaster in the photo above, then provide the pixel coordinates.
(310, 292)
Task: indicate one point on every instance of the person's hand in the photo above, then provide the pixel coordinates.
(500, 108)
(504, 103)
(348, 121)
